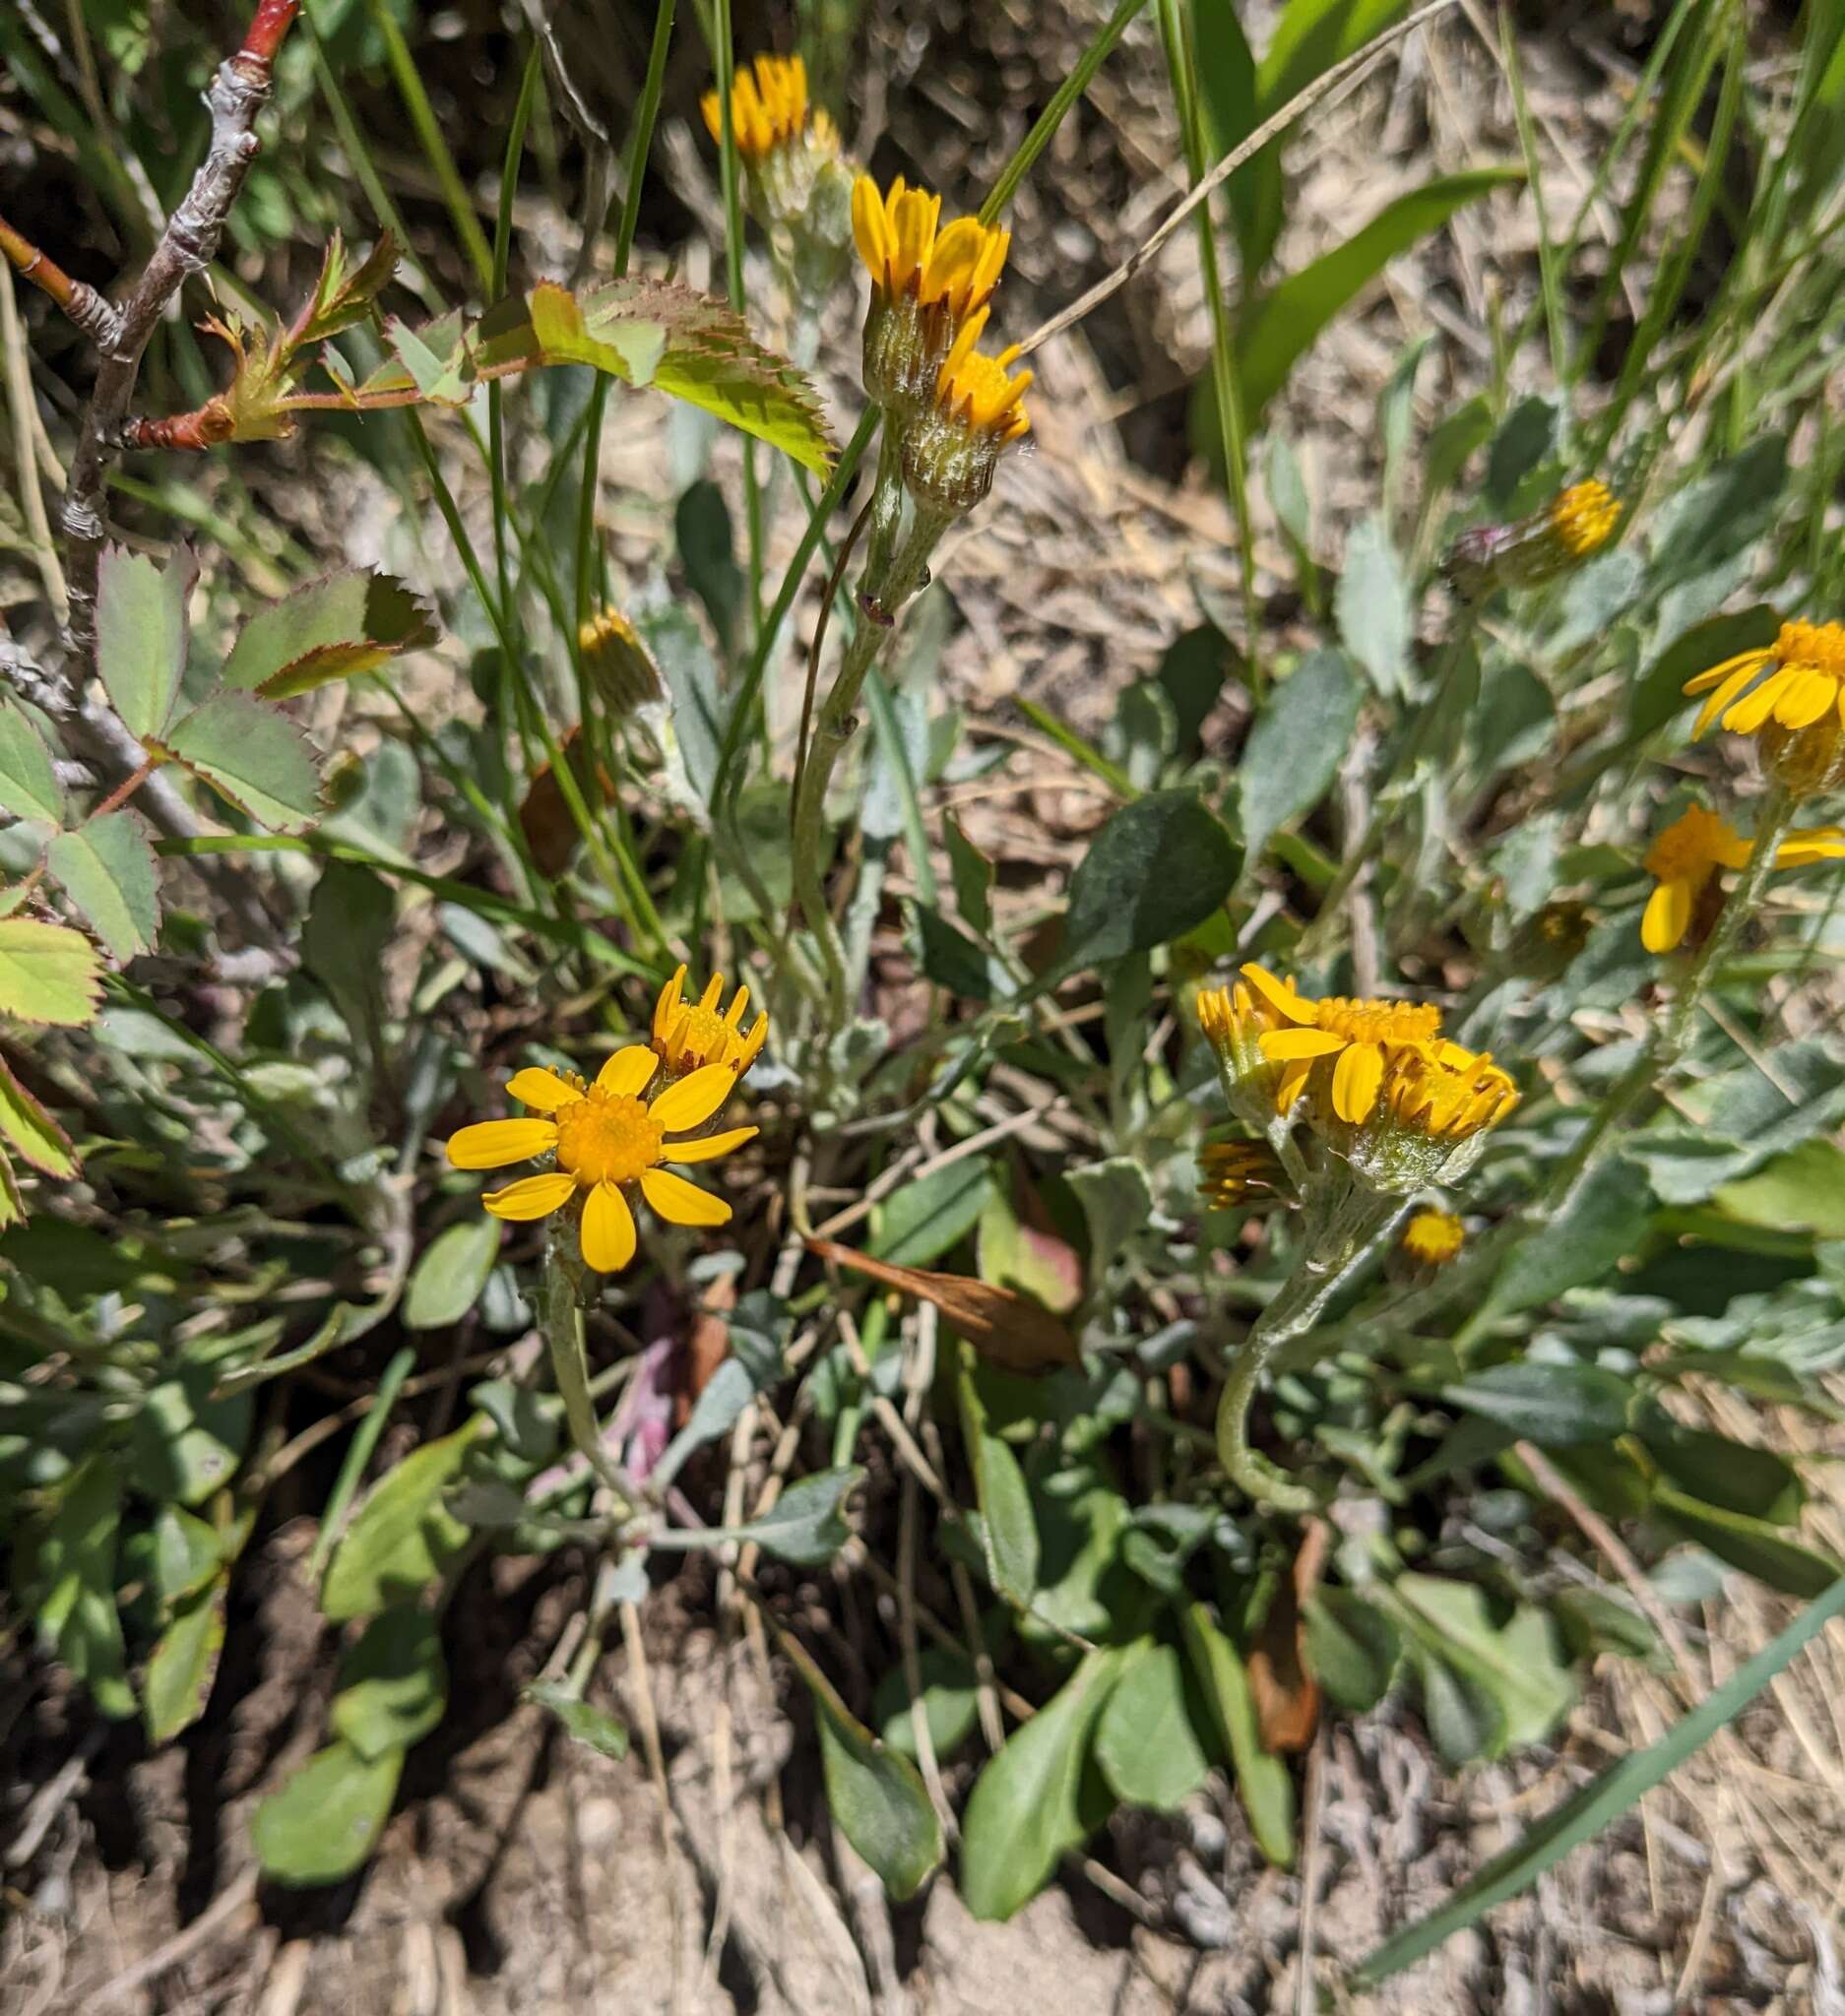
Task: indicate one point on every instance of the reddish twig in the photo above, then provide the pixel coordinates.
(237, 93)
(83, 304)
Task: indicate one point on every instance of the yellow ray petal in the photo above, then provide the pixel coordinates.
(712, 1145)
(1288, 1046)
(493, 1144)
(1809, 695)
(1744, 662)
(531, 1197)
(607, 1230)
(693, 1101)
(667, 1006)
(543, 1090)
(1748, 713)
(628, 1072)
(1721, 698)
(1279, 996)
(1667, 916)
(682, 1203)
(1356, 1079)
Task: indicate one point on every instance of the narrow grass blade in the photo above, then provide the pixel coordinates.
(1600, 1802)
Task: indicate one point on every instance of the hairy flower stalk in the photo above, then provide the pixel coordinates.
(1346, 1222)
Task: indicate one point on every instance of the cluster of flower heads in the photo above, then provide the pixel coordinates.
(1376, 1080)
(605, 1144)
(957, 406)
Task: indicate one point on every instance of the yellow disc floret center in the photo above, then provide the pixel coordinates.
(1379, 1022)
(1812, 647)
(608, 1137)
(700, 1037)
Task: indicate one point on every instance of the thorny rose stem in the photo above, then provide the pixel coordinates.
(188, 244)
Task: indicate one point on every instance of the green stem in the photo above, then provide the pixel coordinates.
(1052, 117)
(833, 729)
(560, 1310)
(1340, 1239)
(429, 132)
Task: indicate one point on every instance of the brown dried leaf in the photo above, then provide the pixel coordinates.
(1286, 1694)
(1002, 1325)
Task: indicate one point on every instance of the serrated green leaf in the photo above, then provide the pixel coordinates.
(253, 755)
(28, 785)
(49, 974)
(141, 634)
(402, 1536)
(183, 1664)
(1283, 321)
(324, 1822)
(451, 1273)
(30, 1130)
(875, 1793)
(332, 629)
(107, 870)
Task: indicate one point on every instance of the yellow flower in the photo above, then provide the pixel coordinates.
(607, 1142)
(688, 1036)
(768, 109)
(1583, 516)
(926, 286)
(616, 662)
(1576, 523)
(1433, 1238)
(976, 413)
(955, 270)
(1792, 694)
(1362, 1035)
(1687, 857)
(1443, 1092)
(1228, 1170)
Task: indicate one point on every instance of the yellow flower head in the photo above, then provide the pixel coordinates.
(1792, 694)
(606, 1142)
(975, 412)
(1686, 858)
(768, 109)
(1575, 525)
(1433, 1238)
(1444, 1092)
(927, 284)
(1583, 516)
(979, 392)
(691, 1034)
(618, 664)
(955, 270)
(1228, 1170)
(1361, 1036)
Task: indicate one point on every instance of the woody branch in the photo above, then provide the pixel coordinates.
(238, 92)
